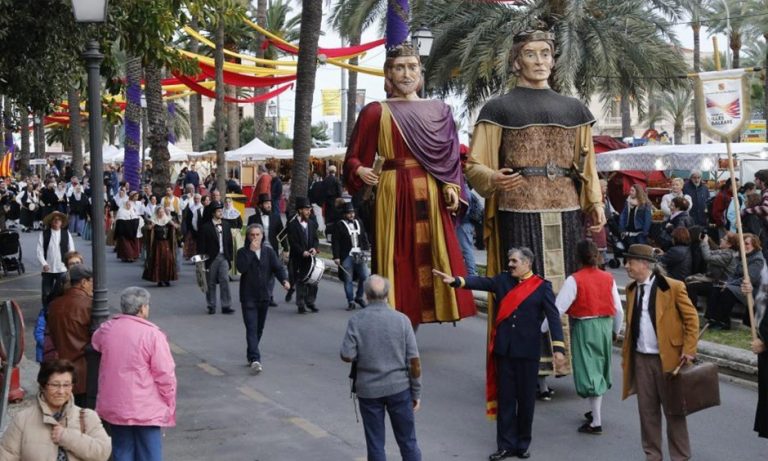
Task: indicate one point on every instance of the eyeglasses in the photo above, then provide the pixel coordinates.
(59, 386)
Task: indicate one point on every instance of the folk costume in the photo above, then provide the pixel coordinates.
(547, 138)
(413, 231)
(128, 234)
(302, 236)
(348, 244)
(591, 300)
(160, 265)
(215, 241)
(79, 210)
(232, 217)
(514, 350)
(190, 214)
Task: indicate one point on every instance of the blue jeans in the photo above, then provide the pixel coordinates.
(465, 232)
(359, 271)
(136, 443)
(254, 317)
(400, 409)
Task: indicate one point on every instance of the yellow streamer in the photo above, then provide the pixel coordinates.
(251, 70)
(210, 44)
(335, 61)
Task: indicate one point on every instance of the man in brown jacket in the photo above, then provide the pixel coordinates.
(69, 322)
(662, 330)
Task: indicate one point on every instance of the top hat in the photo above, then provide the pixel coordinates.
(215, 206)
(56, 214)
(347, 207)
(641, 251)
(302, 202)
(264, 198)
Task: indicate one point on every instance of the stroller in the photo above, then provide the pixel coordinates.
(10, 252)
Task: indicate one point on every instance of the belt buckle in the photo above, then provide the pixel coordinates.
(551, 170)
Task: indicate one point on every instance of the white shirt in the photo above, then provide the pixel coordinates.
(667, 199)
(54, 262)
(220, 230)
(567, 296)
(265, 224)
(647, 342)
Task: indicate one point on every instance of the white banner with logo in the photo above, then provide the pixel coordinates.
(723, 100)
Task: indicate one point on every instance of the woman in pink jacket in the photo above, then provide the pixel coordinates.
(137, 380)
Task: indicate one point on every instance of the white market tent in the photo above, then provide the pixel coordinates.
(177, 155)
(660, 157)
(256, 150)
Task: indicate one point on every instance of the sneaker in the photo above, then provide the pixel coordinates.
(361, 302)
(587, 428)
(227, 310)
(351, 306)
(546, 395)
(256, 367)
(312, 308)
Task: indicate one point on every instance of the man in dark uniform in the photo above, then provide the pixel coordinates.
(270, 221)
(215, 241)
(349, 241)
(332, 191)
(302, 238)
(514, 347)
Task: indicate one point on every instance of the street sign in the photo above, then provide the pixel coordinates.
(755, 131)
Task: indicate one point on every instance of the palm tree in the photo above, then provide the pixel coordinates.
(195, 102)
(759, 26)
(311, 23)
(75, 133)
(132, 159)
(730, 17)
(218, 108)
(158, 129)
(677, 109)
(604, 46)
(695, 8)
(260, 108)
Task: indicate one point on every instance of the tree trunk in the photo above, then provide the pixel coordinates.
(3, 103)
(219, 110)
(24, 129)
(354, 40)
(132, 160)
(233, 120)
(679, 132)
(158, 130)
(311, 21)
(626, 117)
(696, 26)
(260, 108)
(195, 103)
(735, 50)
(8, 123)
(39, 138)
(75, 133)
(765, 84)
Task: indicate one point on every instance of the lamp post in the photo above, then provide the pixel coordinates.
(95, 11)
(272, 108)
(422, 40)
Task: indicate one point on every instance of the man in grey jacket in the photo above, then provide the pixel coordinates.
(381, 342)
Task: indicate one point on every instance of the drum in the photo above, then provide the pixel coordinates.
(315, 272)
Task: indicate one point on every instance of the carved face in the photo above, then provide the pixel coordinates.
(535, 63)
(404, 75)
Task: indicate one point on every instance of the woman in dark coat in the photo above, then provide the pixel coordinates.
(677, 259)
(759, 347)
(160, 265)
(29, 200)
(635, 218)
(128, 226)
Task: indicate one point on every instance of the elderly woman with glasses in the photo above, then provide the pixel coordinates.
(55, 428)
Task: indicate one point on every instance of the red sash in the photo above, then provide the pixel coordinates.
(507, 307)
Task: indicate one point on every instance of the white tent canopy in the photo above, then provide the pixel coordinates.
(109, 154)
(177, 155)
(659, 157)
(255, 150)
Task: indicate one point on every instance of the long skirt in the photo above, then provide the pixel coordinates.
(27, 218)
(76, 224)
(237, 242)
(591, 347)
(761, 415)
(190, 245)
(161, 263)
(128, 249)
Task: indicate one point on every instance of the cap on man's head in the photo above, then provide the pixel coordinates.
(79, 272)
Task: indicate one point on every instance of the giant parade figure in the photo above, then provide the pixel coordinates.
(418, 188)
(533, 160)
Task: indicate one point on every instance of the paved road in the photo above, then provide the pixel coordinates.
(299, 408)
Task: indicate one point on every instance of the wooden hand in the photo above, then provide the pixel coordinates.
(368, 176)
(506, 179)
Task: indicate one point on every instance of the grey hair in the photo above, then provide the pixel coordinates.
(254, 226)
(524, 252)
(376, 288)
(132, 298)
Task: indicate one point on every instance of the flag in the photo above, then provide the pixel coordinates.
(725, 99)
(331, 103)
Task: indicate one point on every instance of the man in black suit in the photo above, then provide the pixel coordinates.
(215, 241)
(348, 243)
(272, 225)
(303, 241)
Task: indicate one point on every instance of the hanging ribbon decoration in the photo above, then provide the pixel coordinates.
(240, 80)
(212, 94)
(337, 53)
(250, 70)
(267, 62)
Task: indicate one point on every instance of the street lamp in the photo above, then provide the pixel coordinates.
(272, 109)
(422, 40)
(95, 11)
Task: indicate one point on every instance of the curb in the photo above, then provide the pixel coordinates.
(740, 365)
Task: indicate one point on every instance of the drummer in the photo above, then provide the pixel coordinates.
(303, 242)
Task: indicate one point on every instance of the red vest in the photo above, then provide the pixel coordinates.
(594, 297)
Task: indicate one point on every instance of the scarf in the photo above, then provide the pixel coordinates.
(231, 213)
(160, 222)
